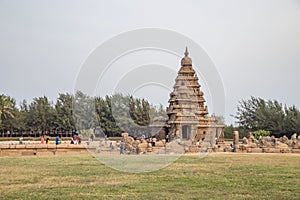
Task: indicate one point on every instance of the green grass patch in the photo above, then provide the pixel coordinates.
(217, 176)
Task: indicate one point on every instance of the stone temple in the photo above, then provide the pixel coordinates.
(187, 113)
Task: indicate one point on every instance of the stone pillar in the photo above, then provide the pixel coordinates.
(212, 137)
(221, 137)
(178, 132)
(193, 132)
(236, 140)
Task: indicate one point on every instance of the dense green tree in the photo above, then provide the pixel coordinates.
(139, 111)
(292, 120)
(22, 119)
(41, 115)
(64, 114)
(105, 118)
(7, 106)
(113, 114)
(84, 111)
(257, 114)
(119, 113)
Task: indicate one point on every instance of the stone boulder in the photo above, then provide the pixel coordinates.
(142, 147)
(136, 143)
(297, 145)
(245, 141)
(124, 135)
(160, 143)
(129, 148)
(149, 147)
(284, 148)
(294, 136)
(280, 145)
(252, 139)
(284, 140)
(265, 144)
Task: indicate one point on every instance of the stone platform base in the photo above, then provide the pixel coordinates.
(41, 149)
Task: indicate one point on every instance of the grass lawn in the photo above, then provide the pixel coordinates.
(216, 176)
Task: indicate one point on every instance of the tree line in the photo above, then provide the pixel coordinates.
(72, 113)
(257, 114)
(124, 113)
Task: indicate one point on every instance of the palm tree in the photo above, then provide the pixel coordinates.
(6, 107)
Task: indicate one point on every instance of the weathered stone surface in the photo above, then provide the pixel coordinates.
(294, 136)
(4, 146)
(52, 146)
(187, 112)
(285, 150)
(256, 150)
(194, 149)
(124, 135)
(28, 153)
(270, 150)
(128, 140)
(160, 143)
(136, 143)
(284, 140)
(142, 147)
(149, 149)
(32, 146)
(40, 146)
(297, 145)
(236, 140)
(295, 150)
(252, 139)
(245, 141)
(265, 144)
(63, 146)
(18, 146)
(280, 145)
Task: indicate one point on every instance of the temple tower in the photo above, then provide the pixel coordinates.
(187, 113)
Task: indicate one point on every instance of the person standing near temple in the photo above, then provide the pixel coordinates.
(122, 147)
(167, 138)
(198, 143)
(21, 140)
(42, 140)
(153, 141)
(56, 140)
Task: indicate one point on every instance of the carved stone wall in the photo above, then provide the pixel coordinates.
(187, 113)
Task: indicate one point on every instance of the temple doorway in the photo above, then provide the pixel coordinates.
(186, 131)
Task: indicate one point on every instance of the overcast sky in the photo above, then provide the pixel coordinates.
(254, 44)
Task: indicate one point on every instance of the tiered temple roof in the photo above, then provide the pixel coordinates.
(187, 112)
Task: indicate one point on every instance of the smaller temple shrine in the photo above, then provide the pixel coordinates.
(187, 113)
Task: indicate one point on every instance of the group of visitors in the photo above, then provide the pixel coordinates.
(76, 139)
(151, 140)
(43, 140)
(47, 141)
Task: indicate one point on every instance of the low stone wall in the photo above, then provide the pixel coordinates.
(40, 149)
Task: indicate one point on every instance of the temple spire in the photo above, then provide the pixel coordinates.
(186, 53)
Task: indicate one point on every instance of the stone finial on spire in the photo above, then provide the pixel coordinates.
(186, 60)
(186, 53)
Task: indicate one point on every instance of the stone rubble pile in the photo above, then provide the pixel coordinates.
(270, 144)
